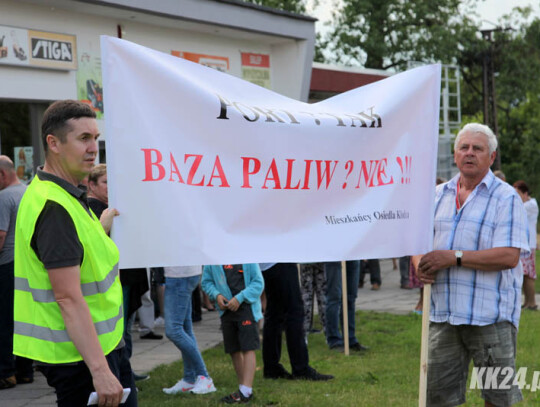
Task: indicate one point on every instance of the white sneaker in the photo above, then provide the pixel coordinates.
(181, 387)
(203, 385)
(159, 322)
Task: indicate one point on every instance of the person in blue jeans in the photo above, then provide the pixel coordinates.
(334, 337)
(180, 282)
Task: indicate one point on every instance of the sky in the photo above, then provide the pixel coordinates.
(490, 10)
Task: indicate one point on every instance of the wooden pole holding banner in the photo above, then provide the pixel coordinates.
(422, 391)
(345, 309)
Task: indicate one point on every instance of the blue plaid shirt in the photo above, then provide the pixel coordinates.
(492, 216)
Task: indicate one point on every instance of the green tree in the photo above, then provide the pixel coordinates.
(516, 55)
(385, 34)
(518, 88)
(294, 6)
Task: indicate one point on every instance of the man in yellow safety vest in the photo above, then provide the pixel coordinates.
(68, 297)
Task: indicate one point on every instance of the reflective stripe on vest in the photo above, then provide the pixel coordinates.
(61, 335)
(42, 295)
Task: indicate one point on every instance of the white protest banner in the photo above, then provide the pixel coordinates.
(206, 168)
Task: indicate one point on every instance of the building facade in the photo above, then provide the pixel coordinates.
(50, 50)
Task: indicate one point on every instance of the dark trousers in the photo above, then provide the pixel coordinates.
(404, 270)
(373, 268)
(73, 382)
(334, 295)
(9, 365)
(196, 306)
(284, 312)
(128, 322)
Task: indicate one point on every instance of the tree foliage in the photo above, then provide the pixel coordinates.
(385, 34)
(516, 54)
(518, 102)
(294, 6)
(388, 34)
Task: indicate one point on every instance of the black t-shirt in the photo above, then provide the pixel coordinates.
(55, 240)
(235, 277)
(235, 280)
(97, 206)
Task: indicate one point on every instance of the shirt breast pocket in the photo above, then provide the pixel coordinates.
(485, 236)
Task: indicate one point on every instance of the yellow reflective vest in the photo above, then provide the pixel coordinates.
(39, 329)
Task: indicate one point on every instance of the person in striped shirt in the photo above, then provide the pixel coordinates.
(480, 231)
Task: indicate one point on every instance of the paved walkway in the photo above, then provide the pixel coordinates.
(148, 354)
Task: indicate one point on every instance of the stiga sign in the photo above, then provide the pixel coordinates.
(48, 50)
(19, 46)
(52, 50)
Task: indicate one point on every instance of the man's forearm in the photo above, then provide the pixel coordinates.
(81, 330)
(496, 259)
(66, 284)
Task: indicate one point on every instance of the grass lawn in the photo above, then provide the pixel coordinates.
(385, 376)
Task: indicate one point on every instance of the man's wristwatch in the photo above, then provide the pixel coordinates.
(459, 255)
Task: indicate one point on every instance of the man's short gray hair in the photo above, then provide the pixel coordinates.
(6, 163)
(478, 128)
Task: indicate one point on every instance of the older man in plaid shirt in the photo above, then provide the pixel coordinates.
(480, 231)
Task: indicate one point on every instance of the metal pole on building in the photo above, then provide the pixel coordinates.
(488, 85)
(444, 141)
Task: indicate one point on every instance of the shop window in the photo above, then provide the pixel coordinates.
(16, 137)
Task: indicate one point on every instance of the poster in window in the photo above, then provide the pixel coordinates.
(213, 61)
(24, 163)
(256, 68)
(89, 84)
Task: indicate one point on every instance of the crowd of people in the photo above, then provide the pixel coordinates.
(68, 311)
